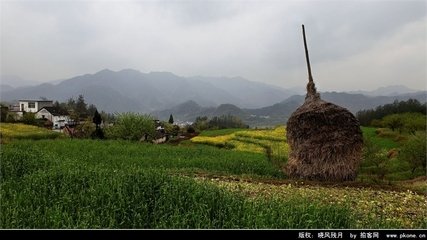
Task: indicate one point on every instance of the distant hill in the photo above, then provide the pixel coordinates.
(386, 91)
(279, 113)
(131, 90)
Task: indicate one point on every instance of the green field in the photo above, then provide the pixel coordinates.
(72, 183)
(384, 142)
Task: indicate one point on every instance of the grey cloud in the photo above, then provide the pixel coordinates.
(259, 40)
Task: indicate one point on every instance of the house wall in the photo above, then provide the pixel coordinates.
(44, 113)
(25, 105)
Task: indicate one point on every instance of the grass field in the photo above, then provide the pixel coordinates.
(71, 183)
(384, 142)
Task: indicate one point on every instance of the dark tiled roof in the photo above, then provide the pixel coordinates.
(32, 100)
(54, 111)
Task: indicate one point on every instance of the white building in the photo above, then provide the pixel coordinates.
(58, 118)
(34, 105)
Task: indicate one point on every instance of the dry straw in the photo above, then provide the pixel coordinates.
(325, 139)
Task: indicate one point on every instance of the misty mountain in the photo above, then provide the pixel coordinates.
(279, 113)
(6, 87)
(386, 91)
(14, 81)
(247, 92)
(131, 90)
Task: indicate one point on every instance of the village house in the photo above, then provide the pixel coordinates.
(31, 106)
(58, 118)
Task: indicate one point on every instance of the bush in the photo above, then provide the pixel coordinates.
(375, 157)
(29, 118)
(85, 130)
(131, 126)
(414, 152)
(377, 123)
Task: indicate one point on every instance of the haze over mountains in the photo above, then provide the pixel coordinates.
(163, 93)
(131, 90)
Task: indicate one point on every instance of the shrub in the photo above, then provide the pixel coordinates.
(375, 157)
(131, 126)
(414, 152)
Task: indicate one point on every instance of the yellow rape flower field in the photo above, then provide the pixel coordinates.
(272, 141)
(23, 131)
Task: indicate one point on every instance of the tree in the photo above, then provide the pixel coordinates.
(91, 109)
(29, 118)
(97, 118)
(171, 119)
(81, 106)
(414, 152)
(375, 157)
(414, 122)
(71, 103)
(98, 133)
(132, 126)
(393, 121)
(3, 110)
(85, 130)
(411, 105)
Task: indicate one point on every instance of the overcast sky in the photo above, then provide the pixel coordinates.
(353, 44)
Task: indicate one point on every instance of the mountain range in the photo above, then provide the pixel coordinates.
(280, 112)
(164, 93)
(131, 90)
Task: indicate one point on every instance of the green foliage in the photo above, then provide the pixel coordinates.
(383, 155)
(414, 122)
(201, 123)
(81, 106)
(170, 119)
(226, 121)
(414, 152)
(97, 119)
(190, 129)
(29, 118)
(411, 105)
(393, 121)
(3, 113)
(221, 122)
(410, 122)
(171, 129)
(85, 130)
(131, 126)
(376, 157)
(91, 110)
(377, 123)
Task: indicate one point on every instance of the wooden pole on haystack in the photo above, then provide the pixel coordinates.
(311, 88)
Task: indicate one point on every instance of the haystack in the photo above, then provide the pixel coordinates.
(325, 139)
